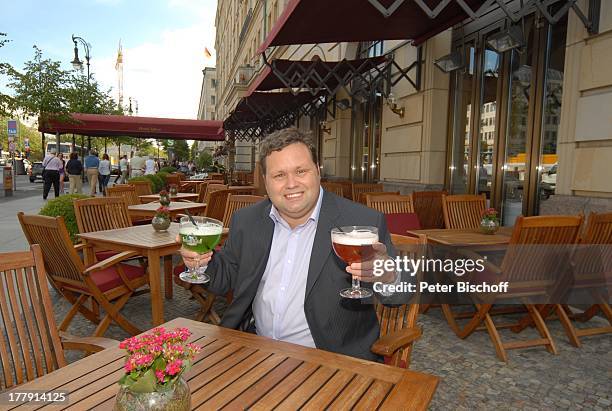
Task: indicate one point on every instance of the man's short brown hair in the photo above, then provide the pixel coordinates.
(281, 139)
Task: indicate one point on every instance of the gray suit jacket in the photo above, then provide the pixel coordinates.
(337, 324)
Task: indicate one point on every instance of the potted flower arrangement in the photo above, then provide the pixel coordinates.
(161, 220)
(154, 366)
(173, 190)
(489, 224)
(164, 198)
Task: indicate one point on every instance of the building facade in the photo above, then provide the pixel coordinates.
(208, 102)
(529, 127)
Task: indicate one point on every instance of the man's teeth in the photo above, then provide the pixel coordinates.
(293, 195)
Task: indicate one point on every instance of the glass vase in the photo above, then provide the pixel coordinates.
(173, 191)
(489, 226)
(176, 398)
(164, 200)
(160, 223)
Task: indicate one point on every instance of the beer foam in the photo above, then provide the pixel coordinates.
(355, 237)
(201, 230)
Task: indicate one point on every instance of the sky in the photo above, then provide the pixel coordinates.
(163, 45)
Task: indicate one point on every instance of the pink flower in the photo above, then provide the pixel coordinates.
(160, 374)
(174, 367)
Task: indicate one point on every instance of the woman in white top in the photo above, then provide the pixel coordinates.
(104, 170)
(150, 166)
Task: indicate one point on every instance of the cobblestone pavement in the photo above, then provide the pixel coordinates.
(472, 378)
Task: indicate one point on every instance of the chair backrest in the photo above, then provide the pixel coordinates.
(173, 179)
(211, 188)
(598, 229)
(143, 188)
(128, 192)
(62, 262)
(463, 211)
(215, 206)
(216, 176)
(539, 248)
(30, 344)
(363, 197)
(101, 213)
(242, 190)
(347, 188)
(428, 206)
(359, 188)
(399, 317)
(236, 202)
(335, 188)
(389, 203)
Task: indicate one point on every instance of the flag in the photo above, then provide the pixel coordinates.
(207, 53)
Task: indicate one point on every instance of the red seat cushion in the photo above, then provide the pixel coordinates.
(103, 255)
(399, 223)
(109, 278)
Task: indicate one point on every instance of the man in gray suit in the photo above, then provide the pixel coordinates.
(278, 258)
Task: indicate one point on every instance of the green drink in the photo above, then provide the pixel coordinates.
(199, 238)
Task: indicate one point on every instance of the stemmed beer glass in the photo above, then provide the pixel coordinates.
(354, 244)
(200, 238)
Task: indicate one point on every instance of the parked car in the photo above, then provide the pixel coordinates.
(35, 172)
(549, 182)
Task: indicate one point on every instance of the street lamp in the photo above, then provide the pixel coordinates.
(77, 63)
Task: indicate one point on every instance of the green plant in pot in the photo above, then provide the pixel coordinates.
(154, 367)
(489, 224)
(164, 198)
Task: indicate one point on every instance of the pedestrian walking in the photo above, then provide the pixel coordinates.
(104, 170)
(74, 168)
(150, 166)
(123, 169)
(137, 165)
(92, 162)
(62, 173)
(51, 166)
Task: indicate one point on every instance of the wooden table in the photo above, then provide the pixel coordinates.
(149, 243)
(148, 210)
(236, 370)
(148, 198)
(465, 237)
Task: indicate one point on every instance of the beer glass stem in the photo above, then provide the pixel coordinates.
(356, 284)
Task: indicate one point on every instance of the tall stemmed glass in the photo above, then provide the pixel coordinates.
(200, 238)
(354, 244)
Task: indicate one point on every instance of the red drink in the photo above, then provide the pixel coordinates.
(354, 246)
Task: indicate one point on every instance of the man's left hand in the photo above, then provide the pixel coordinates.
(364, 271)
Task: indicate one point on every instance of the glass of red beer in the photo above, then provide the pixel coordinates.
(354, 244)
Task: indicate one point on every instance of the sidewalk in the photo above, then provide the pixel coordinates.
(27, 198)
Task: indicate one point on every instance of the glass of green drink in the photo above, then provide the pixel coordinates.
(200, 238)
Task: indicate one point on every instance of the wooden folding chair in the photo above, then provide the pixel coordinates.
(463, 211)
(333, 187)
(128, 193)
(428, 206)
(531, 266)
(215, 204)
(30, 343)
(347, 188)
(143, 188)
(108, 283)
(359, 188)
(173, 178)
(216, 176)
(398, 324)
(389, 203)
(236, 202)
(363, 197)
(592, 274)
(242, 190)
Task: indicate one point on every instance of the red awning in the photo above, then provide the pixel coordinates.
(99, 125)
(325, 21)
(261, 106)
(315, 74)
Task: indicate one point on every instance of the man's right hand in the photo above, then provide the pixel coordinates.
(193, 259)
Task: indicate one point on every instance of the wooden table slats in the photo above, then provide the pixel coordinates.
(235, 370)
(149, 198)
(465, 237)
